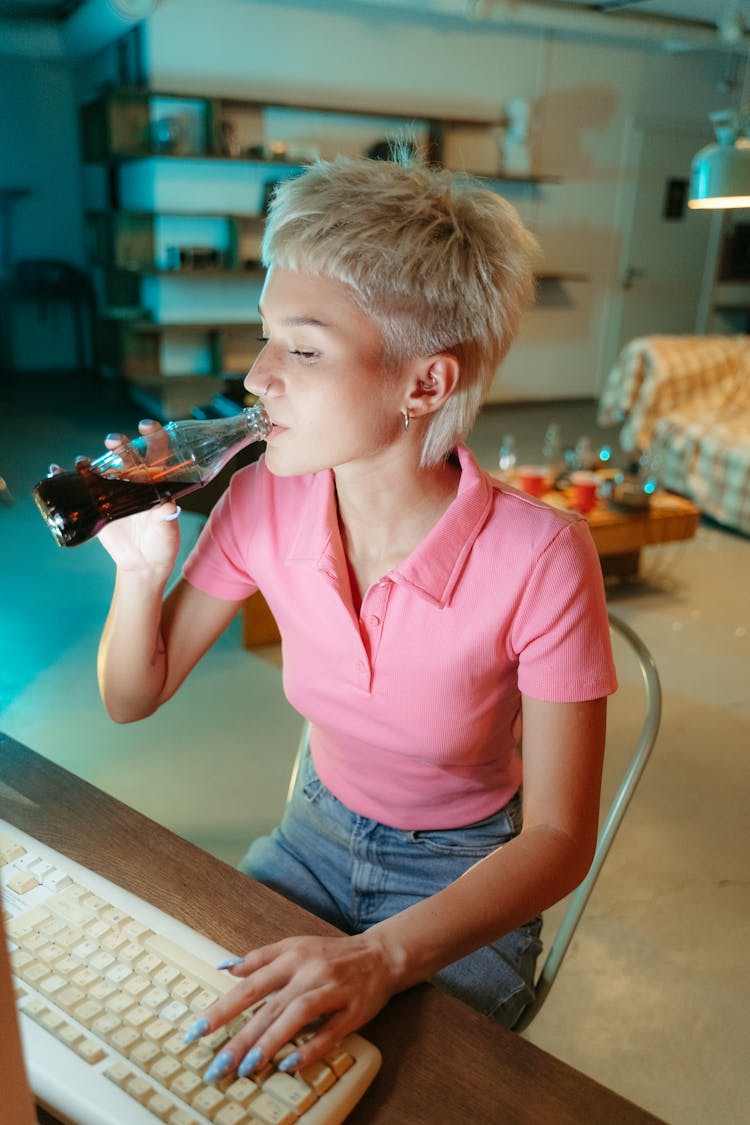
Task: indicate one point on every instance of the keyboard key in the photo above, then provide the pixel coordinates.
(26, 923)
(318, 1076)
(291, 1091)
(160, 1105)
(182, 1117)
(33, 1006)
(339, 1060)
(145, 1054)
(105, 1024)
(118, 1072)
(90, 1051)
(124, 1039)
(164, 1069)
(242, 1091)
(271, 1112)
(157, 1030)
(232, 1114)
(174, 1011)
(139, 1088)
(208, 1101)
(23, 882)
(10, 849)
(51, 1020)
(68, 1034)
(66, 905)
(185, 1084)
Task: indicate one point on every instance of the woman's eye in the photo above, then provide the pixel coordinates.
(262, 339)
(303, 354)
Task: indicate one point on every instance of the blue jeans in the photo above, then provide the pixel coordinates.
(354, 872)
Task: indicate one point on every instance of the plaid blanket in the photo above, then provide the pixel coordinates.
(686, 399)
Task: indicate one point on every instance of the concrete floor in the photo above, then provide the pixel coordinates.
(653, 997)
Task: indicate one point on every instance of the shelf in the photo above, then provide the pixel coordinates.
(513, 177)
(254, 273)
(555, 277)
(155, 327)
(158, 151)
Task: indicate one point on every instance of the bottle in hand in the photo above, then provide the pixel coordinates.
(143, 473)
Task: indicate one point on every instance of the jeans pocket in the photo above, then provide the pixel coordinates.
(474, 841)
(498, 979)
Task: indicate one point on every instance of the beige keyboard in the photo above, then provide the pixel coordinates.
(106, 987)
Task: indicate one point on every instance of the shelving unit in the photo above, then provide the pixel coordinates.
(177, 189)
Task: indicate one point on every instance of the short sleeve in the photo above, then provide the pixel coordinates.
(561, 631)
(218, 564)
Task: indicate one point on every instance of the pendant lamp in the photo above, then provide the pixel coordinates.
(720, 172)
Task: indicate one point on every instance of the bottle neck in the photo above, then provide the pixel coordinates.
(257, 421)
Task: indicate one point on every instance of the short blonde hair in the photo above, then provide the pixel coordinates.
(439, 262)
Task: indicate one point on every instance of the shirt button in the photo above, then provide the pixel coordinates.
(373, 620)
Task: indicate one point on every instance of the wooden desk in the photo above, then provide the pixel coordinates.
(443, 1063)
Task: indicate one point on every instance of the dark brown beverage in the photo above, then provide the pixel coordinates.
(77, 505)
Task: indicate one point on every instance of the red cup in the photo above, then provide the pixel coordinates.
(533, 479)
(585, 486)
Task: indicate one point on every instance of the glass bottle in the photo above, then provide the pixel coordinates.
(552, 452)
(143, 473)
(585, 456)
(507, 457)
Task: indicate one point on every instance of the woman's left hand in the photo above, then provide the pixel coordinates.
(333, 985)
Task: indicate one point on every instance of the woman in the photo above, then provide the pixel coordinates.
(426, 613)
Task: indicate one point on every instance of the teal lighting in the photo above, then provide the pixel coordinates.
(720, 172)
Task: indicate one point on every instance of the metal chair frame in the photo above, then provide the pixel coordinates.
(617, 809)
(614, 816)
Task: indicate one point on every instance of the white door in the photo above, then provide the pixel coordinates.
(664, 246)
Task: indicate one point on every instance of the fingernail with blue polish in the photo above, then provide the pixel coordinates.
(289, 1062)
(147, 422)
(113, 437)
(230, 962)
(219, 1067)
(196, 1030)
(251, 1060)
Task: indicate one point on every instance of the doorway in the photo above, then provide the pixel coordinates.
(665, 244)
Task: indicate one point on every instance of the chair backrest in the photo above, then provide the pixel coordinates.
(646, 738)
(649, 729)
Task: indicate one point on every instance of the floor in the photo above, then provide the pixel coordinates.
(653, 997)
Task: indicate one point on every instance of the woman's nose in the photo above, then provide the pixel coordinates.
(258, 379)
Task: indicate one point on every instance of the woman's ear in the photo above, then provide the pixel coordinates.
(434, 380)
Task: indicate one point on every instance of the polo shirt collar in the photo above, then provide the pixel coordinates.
(435, 567)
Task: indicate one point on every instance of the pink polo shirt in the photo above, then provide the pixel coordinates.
(415, 700)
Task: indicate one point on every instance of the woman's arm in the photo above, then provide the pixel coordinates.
(348, 979)
(149, 645)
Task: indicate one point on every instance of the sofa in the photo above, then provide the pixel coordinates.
(684, 402)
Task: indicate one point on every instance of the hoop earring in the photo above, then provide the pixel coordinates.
(405, 416)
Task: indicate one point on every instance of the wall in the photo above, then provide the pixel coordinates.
(586, 95)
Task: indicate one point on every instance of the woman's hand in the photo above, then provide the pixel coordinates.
(148, 541)
(324, 987)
